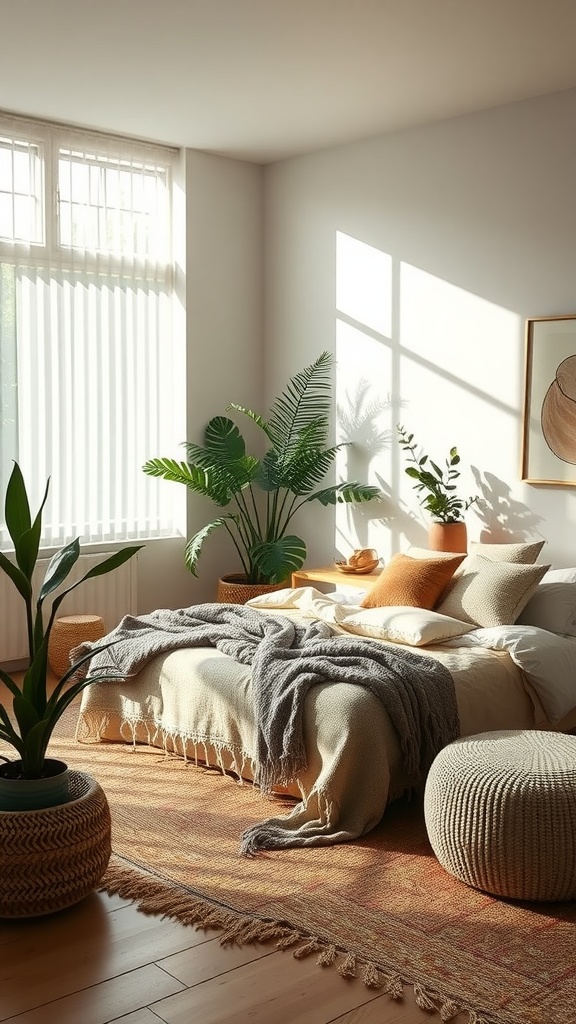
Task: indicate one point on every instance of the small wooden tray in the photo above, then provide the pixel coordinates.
(354, 570)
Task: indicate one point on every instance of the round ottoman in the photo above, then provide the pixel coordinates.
(500, 811)
(68, 632)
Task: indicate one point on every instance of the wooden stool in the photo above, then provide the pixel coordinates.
(67, 633)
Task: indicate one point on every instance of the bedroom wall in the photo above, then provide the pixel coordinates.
(415, 258)
(220, 274)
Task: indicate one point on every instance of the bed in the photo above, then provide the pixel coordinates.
(198, 702)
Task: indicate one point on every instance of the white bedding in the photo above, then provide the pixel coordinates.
(197, 703)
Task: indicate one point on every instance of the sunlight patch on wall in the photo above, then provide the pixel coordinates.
(364, 283)
(459, 360)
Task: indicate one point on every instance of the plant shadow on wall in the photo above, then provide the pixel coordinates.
(503, 517)
(266, 493)
(358, 419)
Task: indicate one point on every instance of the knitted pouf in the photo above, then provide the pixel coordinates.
(500, 811)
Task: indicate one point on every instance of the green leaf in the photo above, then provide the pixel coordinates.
(224, 442)
(254, 416)
(348, 492)
(17, 508)
(194, 546)
(177, 472)
(110, 563)
(276, 560)
(305, 400)
(26, 715)
(9, 683)
(113, 561)
(199, 480)
(20, 581)
(59, 567)
(307, 467)
(28, 544)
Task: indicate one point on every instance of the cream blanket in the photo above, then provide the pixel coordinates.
(287, 659)
(197, 704)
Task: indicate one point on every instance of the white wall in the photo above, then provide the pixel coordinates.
(415, 258)
(223, 300)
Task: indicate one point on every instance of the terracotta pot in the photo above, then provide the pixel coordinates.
(448, 537)
(235, 590)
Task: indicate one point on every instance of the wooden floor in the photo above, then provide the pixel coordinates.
(104, 961)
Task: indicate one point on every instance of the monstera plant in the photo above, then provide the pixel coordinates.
(265, 493)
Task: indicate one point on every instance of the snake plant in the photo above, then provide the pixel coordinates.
(34, 713)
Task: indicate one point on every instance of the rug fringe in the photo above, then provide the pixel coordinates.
(153, 895)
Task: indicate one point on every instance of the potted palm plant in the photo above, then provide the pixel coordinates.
(265, 493)
(33, 780)
(447, 531)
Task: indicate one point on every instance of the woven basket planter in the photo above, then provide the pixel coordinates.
(52, 858)
(235, 589)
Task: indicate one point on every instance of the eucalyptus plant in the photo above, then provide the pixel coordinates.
(266, 493)
(441, 500)
(34, 712)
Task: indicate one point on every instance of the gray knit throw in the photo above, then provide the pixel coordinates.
(287, 659)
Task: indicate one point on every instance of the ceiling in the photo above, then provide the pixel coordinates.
(262, 80)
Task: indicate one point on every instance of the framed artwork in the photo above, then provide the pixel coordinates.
(549, 422)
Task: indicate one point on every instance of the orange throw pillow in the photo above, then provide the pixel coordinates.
(415, 582)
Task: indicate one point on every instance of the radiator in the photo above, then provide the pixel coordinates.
(112, 596)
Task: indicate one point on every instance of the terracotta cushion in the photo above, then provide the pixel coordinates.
(414, 582)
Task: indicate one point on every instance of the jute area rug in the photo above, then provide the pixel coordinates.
(381, 908)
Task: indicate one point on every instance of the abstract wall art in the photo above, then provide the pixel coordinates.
(549, 421)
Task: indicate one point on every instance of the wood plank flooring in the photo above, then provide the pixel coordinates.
(103, 961)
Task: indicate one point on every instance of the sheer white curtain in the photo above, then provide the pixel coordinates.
(92, 353)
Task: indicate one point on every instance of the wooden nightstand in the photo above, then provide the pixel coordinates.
(328, 574)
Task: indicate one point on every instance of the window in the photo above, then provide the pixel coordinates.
(91, 338)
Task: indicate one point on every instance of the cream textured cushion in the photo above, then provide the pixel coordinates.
(491, 593)
(500, 811)
(415, 552)
(404, 625)
(525, 554)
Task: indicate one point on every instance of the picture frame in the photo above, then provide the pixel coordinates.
(549, 413)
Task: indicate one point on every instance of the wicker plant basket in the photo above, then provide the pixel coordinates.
(52, 858)
(235, 589)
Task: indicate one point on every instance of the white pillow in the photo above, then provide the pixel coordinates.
(524, 554)
(560, 576)
(548, 661)
(552, 607)
(490, 593)
(403, 624)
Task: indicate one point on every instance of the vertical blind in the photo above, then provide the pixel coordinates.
(92, 357)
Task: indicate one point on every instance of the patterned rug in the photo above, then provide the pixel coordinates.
(381, 908)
